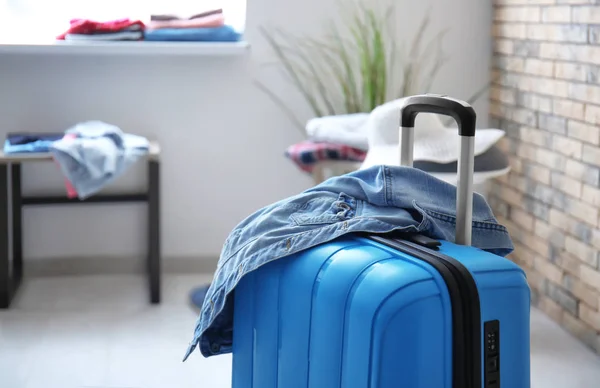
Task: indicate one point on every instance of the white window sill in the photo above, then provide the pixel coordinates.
(129, 48)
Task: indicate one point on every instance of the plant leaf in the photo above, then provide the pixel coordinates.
(299, 49)
(359, 67)
(353, 98)
(291, 70)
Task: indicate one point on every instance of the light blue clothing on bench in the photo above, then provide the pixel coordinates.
(38, 146)
(97, 156)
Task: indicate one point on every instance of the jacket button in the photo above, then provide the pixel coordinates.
(215, 347)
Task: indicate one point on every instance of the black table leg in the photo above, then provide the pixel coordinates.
(154, 230)
(5, 278)
(17, 231)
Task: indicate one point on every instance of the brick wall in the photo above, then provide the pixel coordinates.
(546, 95)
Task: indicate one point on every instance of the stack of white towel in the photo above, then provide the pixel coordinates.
(348, 129)
(378, 133)
(436, 146)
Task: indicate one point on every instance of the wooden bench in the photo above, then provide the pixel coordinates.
(10, 179)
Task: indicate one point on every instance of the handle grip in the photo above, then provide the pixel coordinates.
(465, 117)
(461, 111)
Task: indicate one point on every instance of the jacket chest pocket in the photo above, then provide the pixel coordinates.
(321, 211)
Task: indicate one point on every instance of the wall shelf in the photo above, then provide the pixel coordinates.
(129, 48)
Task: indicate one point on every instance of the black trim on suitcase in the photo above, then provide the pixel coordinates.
(492, 354)
(466, 310)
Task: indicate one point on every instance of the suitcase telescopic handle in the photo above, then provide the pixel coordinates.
(465, 117)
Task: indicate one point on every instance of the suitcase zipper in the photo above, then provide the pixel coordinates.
(466, 310)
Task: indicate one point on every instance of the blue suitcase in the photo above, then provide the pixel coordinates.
(388, 312)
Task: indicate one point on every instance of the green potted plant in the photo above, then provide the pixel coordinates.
(355, 67)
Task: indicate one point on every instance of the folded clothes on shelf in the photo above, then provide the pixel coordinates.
(122, 35)
(208, 26)
(217, 34)
(96, 30)
(196, 16)
(210, 21)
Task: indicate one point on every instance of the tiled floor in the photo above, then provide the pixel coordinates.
(98, 331)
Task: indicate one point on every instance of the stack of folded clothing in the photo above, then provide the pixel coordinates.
(341, 138)
(374, 138)
(113, 30)
(29, 142)
(307, 154)
(207, 26)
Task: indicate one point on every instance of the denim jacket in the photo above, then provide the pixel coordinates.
(97, 155)
(379, 199)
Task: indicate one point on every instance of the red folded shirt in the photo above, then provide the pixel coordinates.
(86, 26)
(308, 153)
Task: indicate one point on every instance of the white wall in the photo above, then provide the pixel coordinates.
(222, 139)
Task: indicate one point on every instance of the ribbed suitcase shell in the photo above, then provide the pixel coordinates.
(354, 313)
